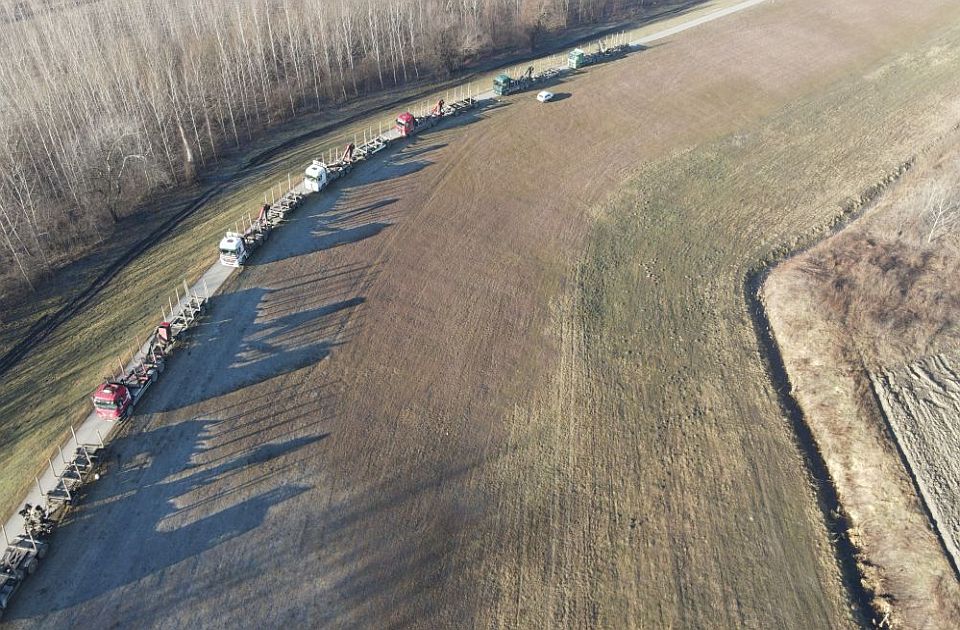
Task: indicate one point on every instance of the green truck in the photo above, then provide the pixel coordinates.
(579, 58)
(503, 84)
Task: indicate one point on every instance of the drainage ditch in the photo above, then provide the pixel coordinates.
(837, 523)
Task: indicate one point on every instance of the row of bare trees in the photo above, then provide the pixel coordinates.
(105, 101)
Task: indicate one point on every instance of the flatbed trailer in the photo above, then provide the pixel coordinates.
(116, 398)
(504, 84)
(409, 125)
(19, 559)
(579, 58)
(80, 470)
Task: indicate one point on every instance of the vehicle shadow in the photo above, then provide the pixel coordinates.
(162, 504)
(251, 336)
(355, 208)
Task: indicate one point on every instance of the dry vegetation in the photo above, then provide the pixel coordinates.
(105, 102)
(849, 315)
(896, 287)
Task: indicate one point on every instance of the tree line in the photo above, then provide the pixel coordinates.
(104, 102)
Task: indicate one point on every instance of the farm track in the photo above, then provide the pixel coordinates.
(410, 411)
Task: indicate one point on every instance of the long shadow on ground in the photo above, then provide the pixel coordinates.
(238, 347)
(158, 508)
(255, 334)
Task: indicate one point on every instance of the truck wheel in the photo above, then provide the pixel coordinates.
(32, 566)
(41, 551)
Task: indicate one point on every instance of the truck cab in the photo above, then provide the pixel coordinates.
(233, 250)
(112, 400)
(501, 85)
(406, 123)
(316, 177)
(576, 59)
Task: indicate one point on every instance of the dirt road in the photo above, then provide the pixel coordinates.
(370, 430)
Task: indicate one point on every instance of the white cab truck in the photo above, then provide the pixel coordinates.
(319, 174)
(233, 250)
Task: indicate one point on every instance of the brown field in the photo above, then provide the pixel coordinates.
(922, 403)
(472, 388)
(865, 321)
(34, 419)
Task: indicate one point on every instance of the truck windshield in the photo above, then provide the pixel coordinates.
(105, 404)
(228, 251)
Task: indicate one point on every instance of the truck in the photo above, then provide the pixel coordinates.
(579, 58)
(319, 174)
(236, 247)
(409, 125)
(504, 84)
(19, 560)
(115, 398)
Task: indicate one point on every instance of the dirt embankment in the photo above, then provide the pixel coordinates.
(861, 320)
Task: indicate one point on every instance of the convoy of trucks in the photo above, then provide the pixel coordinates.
(115, 398)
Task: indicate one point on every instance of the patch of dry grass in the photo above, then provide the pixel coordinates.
(880, 293)
(896, 285)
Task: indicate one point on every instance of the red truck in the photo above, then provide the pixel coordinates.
(408, 124)
(112, 400)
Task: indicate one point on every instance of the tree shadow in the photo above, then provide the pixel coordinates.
(207, 514)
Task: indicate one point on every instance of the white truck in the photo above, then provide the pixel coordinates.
(319, 174)
(236, 248)
(233, 250)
